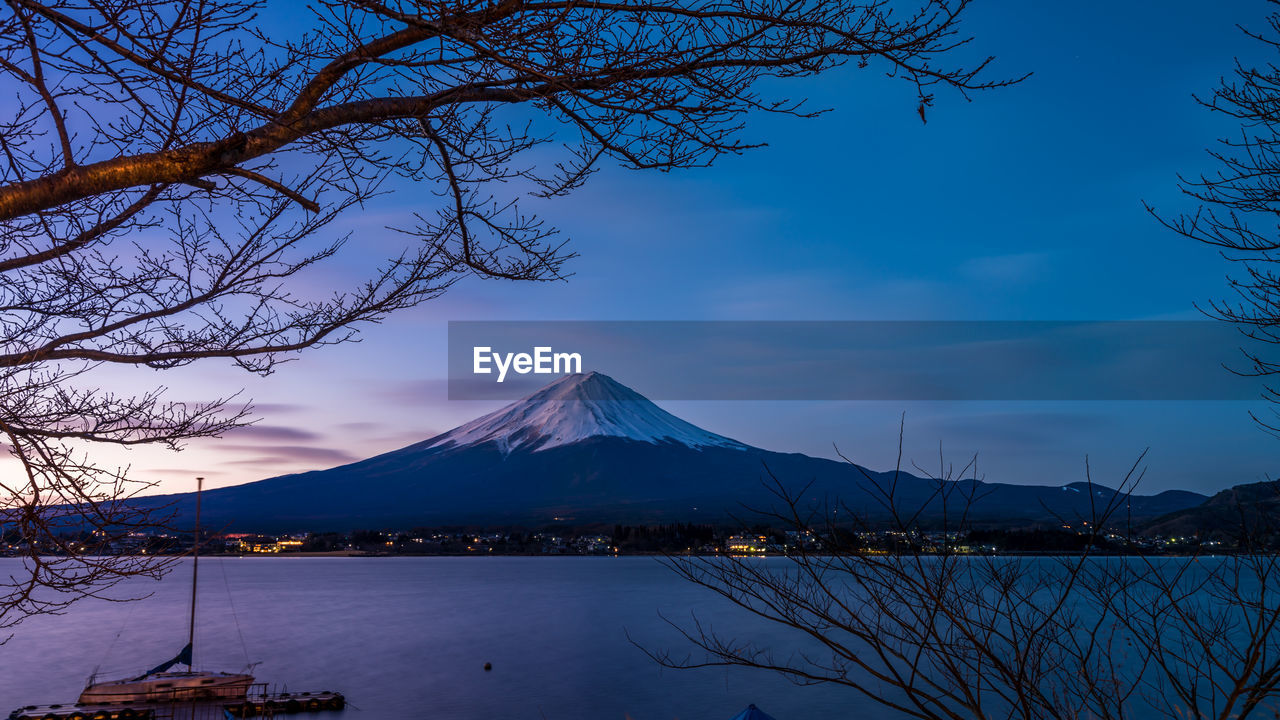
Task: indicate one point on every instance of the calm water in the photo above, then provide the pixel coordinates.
(409, 637)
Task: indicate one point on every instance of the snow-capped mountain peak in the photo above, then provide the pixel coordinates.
(577, 407)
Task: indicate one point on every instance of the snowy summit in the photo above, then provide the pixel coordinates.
(577, 407)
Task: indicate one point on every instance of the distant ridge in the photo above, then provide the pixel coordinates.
(1251, 507)
(587, 449)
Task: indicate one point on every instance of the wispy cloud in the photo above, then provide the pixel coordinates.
(415, 392)
(273, 408)
(1014, 427)
(406, 437)
(271, 433)
(182, 472)
(281, 454)
(371, 435)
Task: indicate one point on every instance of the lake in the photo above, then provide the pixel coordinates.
(408, 637)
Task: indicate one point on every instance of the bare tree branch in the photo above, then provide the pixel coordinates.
(937, 632)
(1238, 207)
(170, 172)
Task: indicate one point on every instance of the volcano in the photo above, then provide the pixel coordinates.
(586, 449)
(576, 408)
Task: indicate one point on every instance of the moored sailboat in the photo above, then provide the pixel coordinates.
(160, 684)
(157, 692)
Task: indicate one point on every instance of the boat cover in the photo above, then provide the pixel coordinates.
(183, 658)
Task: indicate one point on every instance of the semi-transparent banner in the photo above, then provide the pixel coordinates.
(860, 360)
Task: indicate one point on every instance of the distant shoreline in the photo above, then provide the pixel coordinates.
(378, 555)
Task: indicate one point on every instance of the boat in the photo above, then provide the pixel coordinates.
(169, 687)
(159, 693)
(160, 684)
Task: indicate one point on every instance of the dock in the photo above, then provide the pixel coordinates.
(254, 705)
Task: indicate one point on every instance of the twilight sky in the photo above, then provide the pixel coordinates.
(1024, 204)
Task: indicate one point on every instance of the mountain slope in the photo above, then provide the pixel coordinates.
(588, 449)
(1253, 508)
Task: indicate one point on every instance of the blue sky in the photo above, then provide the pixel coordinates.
(1024, 204)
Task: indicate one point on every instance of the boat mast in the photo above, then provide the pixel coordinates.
(195, 574)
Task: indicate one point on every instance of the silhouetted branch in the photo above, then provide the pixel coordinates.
(936, 632)
(1238, 207)
(170, 170)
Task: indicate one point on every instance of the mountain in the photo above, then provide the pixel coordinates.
(1253, 507)
(587, 449)
(576, 408)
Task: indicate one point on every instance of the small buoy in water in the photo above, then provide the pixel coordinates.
(488, 666)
